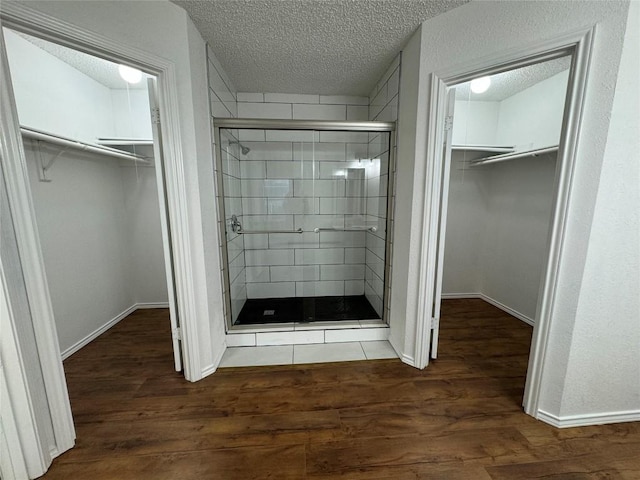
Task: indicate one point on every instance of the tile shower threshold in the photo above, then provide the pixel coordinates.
(307, 326)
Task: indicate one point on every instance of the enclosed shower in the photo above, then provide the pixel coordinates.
(306, 214)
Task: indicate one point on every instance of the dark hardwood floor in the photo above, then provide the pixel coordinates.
(461, 418)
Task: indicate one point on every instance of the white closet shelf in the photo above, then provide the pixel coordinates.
(67, 142)
(124, 141)
(513, 156)
(483, 148)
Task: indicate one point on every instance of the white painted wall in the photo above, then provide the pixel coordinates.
(144, 234)
(476, 123)
(99, 223)
(171, 35)
(518, 201)
(131, 113)
(499, 214)
(84, 237)
(410, 139)
(533, 118)
(465, 227)
(480, 29)
(603, 375)
(63, 93)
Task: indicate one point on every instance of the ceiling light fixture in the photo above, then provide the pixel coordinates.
(129, 74)
(480, 85)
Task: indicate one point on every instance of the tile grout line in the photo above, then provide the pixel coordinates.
(363, 351)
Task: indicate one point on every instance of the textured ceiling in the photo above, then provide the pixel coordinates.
(102, 71)
(506, 84)
(309, 46)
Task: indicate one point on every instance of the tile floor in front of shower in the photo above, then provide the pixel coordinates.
(311, 353)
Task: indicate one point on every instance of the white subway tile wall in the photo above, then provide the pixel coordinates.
(308, 180)
(224, 104)
(383, 107)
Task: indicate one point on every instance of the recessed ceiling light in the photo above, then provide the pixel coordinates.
(480, 85)
(129, 74)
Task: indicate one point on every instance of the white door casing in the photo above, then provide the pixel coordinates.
(158, 156)
(21, 18)
(442, 220)
(579, 44)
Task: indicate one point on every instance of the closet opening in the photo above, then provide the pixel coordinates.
(93, 150)
(504, 169)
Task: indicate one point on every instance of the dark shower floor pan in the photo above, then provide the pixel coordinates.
(305, 309)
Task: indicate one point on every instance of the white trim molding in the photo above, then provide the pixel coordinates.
(589, 419)
(577, 43)
(25, 19)
(142, 306)
(495, 303)
(111, 323)
(18, 191)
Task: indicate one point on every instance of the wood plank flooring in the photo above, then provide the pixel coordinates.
(461, 418)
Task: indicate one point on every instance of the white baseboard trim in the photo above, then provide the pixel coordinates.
(95, 334)
(495, 303)
(151, 305)
(219, 352)
(455, 296)
(588, 419)
(409, 360)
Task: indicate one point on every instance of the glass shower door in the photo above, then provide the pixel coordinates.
(305, 220)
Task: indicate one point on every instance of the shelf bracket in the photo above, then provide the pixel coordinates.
(42, 171)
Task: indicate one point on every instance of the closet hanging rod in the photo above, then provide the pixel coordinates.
(513, 156)
(257, 232)
(352, 229)
(70, 143)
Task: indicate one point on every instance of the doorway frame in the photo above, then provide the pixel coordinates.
(21, 18)
(579, 44)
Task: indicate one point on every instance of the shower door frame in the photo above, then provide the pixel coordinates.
(309, 125)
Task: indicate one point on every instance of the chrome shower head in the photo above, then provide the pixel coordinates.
(243, 149)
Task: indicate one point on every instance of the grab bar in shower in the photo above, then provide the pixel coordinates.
(236, 227)
(256, 232)
(351, 229)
